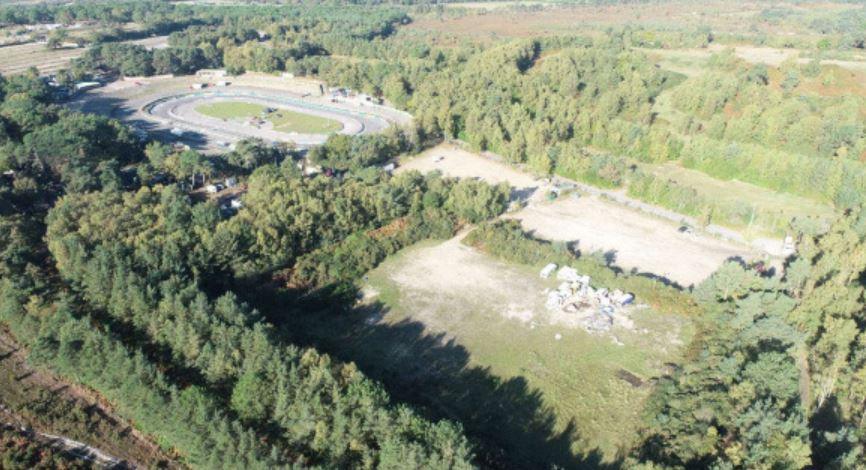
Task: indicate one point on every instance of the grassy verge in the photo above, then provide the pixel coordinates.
(751, 209)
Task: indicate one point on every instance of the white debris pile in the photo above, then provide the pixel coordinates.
(547, 271)
(597, 309)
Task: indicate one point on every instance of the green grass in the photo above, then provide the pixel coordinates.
(231, 110)
(689, 62)
(283, 120)
(543, 400)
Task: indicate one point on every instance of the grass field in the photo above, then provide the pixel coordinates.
(506, 20)
(468, 336)
(282, 120)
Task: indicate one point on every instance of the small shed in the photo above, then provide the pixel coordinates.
(231, 182)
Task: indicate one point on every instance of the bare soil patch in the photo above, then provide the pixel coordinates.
(17, 59)
(630, 239)
(451, 272)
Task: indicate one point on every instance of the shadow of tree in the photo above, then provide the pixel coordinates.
(121, 109)
(506, 418)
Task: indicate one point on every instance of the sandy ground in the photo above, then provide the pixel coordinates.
(463, 164)
(153, 42)
(17, 59)
(451, 271)
(636, 240)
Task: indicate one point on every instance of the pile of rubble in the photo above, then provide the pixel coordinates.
(596, 308)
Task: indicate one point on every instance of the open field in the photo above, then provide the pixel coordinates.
(153, 42)
(629, 239)
(495, 5)
(504, 19)
(635, 240)
(692, 61)
(282, 120)
(469, 336)
(17, 59)
(231, 109)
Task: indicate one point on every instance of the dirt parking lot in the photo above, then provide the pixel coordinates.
(633, 239)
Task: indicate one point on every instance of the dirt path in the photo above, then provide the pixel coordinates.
(72, 447)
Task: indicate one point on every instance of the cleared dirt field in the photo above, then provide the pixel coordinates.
(631, 239)
(17, 59)
(635, 240)
(467, 335)
(154, 42)
(463, 164)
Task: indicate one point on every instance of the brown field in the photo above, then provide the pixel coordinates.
(17, 59)
(510, 22)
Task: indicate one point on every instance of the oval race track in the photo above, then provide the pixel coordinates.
(178, 111)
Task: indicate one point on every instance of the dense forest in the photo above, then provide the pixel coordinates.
(777, 378)
(115, 278)
(202, 375)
